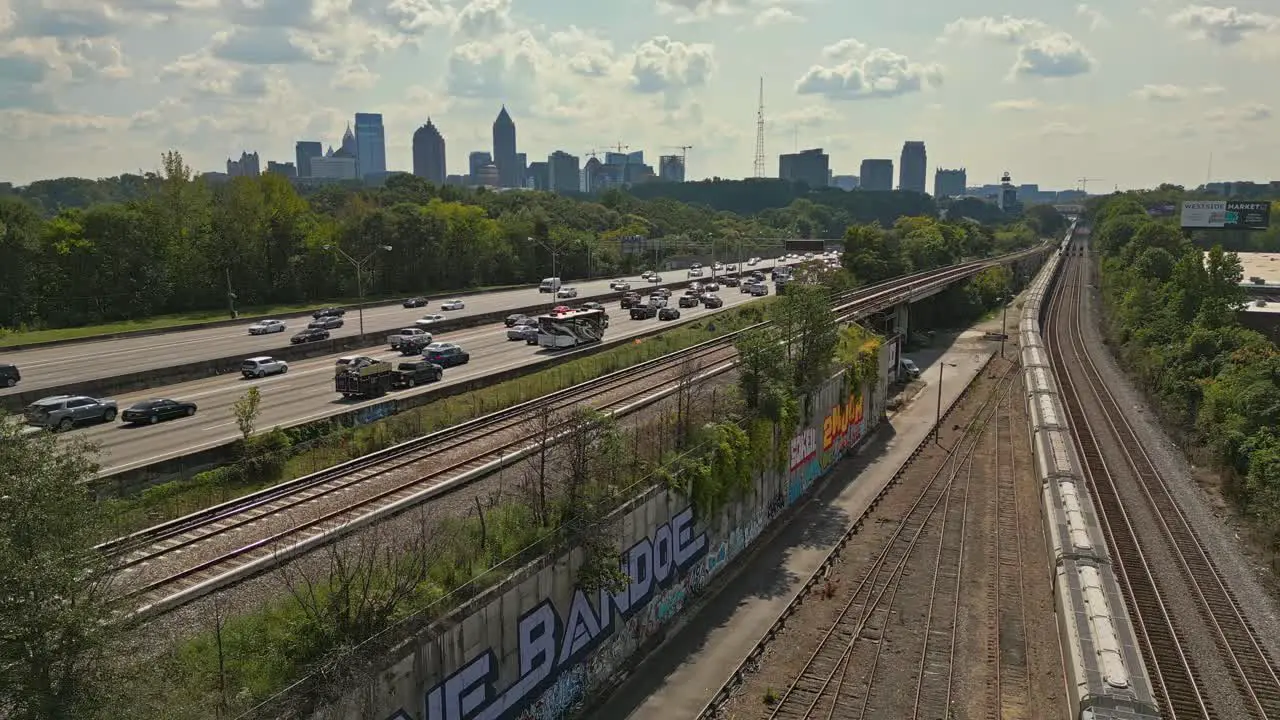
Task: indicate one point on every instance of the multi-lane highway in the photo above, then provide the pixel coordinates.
(92, 359)
(306, 391)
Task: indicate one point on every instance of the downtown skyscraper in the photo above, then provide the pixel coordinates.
(913, 167)
(428, 153)
(371, 145)
(510, 171)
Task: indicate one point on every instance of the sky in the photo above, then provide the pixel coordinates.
(1128, 93)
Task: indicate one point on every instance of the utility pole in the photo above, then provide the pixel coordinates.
(359, 265)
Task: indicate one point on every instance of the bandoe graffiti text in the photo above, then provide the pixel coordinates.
(814, 451)
(550, 643)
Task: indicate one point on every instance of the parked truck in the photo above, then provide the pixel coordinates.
(362, 377)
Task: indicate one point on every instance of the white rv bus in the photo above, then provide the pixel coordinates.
(573, 328)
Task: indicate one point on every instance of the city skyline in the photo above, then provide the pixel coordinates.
(97, 93)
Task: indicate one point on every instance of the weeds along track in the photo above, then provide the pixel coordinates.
(843, 676)
(1172, 639)
(169, 565)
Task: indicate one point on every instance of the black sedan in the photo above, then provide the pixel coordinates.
(153, 411)
(515, 319)
(712, 301)
(328, 312)
(415, 302)
(688, 301)
(328, 322)
(310, 335)
(668, 313)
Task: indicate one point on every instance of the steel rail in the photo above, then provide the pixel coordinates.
(1237, 639)
(1167, 660)
(821, 669)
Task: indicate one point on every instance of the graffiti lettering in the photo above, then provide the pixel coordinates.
(548, 643)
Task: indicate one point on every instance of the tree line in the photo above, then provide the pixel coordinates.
(1172, 313)
(80, 252)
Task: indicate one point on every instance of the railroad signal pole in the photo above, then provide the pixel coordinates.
(937, 422)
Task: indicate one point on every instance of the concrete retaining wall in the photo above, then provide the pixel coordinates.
(159, 377)
(537, 646)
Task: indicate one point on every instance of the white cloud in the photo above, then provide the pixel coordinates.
(1095, 18)
(776, 16)
(1162, 93)
(1053, 56)
(693, 10)
(866, 74)
(28, 125)
(257, 46)
(1007, 29)
(1023, 105)
(483, 19)
(354, 77)
(1223, 25)
(1247, 113)
(584, 53)
(663, 65)
(1063, 129)
(810, 116)
(490, 71)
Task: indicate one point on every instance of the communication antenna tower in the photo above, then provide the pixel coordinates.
(759, 164)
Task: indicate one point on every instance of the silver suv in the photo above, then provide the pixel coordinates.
(262, 366)
(63, 412)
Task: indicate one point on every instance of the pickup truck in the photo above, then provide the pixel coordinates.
(409, 374)
(403, 334)
(643, 312)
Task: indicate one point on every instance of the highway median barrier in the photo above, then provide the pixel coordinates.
(160, 377)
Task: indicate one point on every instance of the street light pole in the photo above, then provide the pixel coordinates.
(551, 249)
(937, 421)
(359, 266)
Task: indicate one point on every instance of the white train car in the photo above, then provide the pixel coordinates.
(1102, 666)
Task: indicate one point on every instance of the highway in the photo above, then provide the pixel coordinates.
(306, 391)
(92, 359)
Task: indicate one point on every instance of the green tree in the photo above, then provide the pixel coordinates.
(247, 408)
(809, 333)
(55, 616)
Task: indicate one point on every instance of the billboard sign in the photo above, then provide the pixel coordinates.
(1226, 215)
(799, 246)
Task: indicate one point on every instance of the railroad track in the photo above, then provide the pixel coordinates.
(175, 562)
(824, 688)
(1007, 650)
(1174, 672)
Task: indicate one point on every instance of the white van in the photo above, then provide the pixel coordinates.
(908, 369)
(549, 285)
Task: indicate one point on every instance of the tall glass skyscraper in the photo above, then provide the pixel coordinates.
(371, 145)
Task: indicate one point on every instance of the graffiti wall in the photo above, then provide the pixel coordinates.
(538, 647)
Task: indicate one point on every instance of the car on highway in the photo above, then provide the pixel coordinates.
(668, 313)
(753, 261)
(664, 292)
(427, 320)
(591, 305)
(328, 312)
(629, 300)
(658, 300)
(309, 335)
(414, 344)
(63, 412)
(404, 334)
(711, 287)
(157, 410)
(620, 285)
(9, 375)
(567, 292)
(729, 281)
(559, 309)
(712, 301)
(655, 278)
(643, 312)
(688, 301)
(646, 274)
(515, 319)
(747, 284)
(266, 327)
(759, 290)
(695, 272)
(328, 322)
(414, 302)
(262, 366)
(446, 354)
(731, 267)
(527, 332)
(454, 304)
(410, 374)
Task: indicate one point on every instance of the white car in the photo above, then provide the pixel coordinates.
(752, 262)
(567, 292)
(262, 366)
(266, 327)
(452, 305)
(655, 278)
(695, 272)
(428, 320)
(620, 285)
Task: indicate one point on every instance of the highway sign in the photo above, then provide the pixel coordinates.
(1226, 214)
